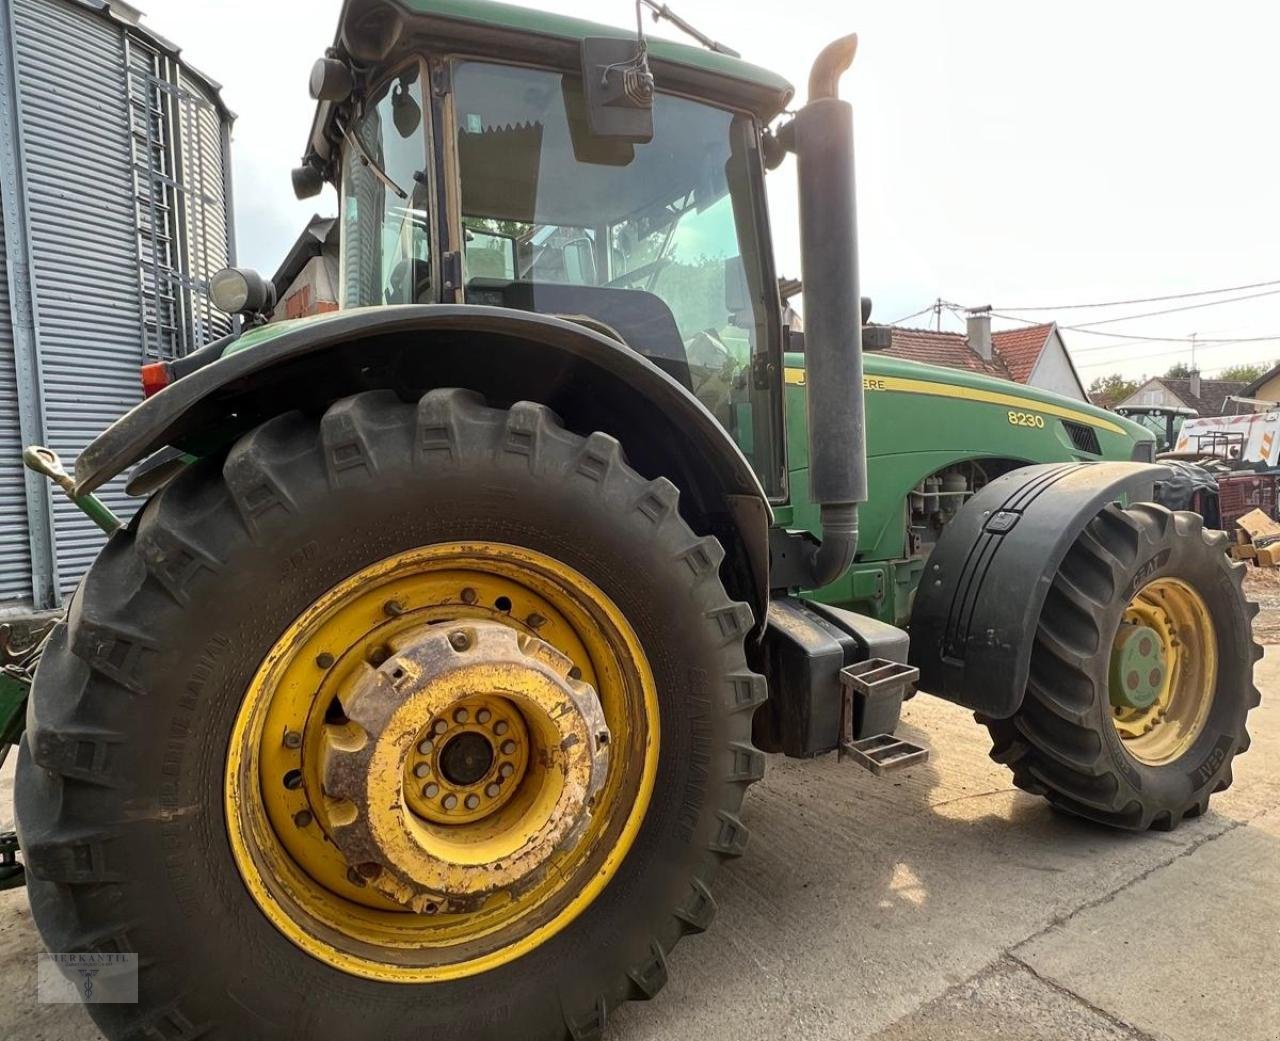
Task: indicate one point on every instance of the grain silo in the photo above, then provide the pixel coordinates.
(115, 186)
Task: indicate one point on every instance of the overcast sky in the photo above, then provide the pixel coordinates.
(1018, 153)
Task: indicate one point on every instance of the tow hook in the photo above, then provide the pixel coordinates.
(45, 461)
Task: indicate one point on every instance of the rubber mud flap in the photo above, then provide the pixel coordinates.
(985, 583)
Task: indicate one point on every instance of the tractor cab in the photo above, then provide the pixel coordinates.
(1165, 421)
(471, 172)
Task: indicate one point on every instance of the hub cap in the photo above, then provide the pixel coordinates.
(442, 762)
(442, 830)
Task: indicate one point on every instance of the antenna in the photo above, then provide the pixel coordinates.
(663, 11)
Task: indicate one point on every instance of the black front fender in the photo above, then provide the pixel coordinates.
(592, 381)
(979, 602)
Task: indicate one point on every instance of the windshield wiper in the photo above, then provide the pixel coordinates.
(378, 171)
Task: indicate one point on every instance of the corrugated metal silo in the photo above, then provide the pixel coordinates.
(117, 212)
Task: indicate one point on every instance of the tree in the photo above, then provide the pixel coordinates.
(1179, 371)
(1245, 372)
(1109, 391)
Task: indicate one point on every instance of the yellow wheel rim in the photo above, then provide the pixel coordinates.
(475, 778)
(1169, 610)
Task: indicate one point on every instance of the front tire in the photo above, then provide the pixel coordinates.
(139, 704)
(1117, 733)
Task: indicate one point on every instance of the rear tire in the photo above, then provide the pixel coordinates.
(1063, 742)
(121, 773)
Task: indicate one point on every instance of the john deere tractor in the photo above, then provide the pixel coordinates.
(420, 695)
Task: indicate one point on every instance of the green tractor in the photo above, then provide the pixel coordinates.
(420, 696)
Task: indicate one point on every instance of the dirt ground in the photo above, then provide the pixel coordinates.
(1262, 585)
(941, 905)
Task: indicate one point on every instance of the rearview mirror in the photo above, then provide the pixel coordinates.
(619, 89)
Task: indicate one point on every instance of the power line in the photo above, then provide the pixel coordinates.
(1200, 346)
(1146, 299)
(908, 317)
(1174, 310)
(1138, 338)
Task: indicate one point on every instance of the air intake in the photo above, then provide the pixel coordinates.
(1084, 438)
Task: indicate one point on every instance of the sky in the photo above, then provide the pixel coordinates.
(1018, 153)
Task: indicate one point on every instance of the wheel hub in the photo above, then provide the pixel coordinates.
(1138, 667)
(471, 758)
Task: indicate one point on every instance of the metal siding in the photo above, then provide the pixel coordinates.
(15, 550)
(81, 198)
(208, 242)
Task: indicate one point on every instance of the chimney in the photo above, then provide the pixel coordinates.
(1195, 383)
(978, 330)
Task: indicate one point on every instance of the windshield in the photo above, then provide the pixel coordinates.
(386, 249)
(657, 242)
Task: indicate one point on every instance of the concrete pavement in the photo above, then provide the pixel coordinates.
(943, 906)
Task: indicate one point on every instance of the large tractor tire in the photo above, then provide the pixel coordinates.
(415, 721)
(1141, 674)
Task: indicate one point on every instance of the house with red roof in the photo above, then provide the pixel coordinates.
(1034, 354)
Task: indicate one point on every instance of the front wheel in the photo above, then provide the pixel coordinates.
(436, 714)
(1141, 674)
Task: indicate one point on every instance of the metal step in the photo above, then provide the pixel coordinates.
(877, 686)
(884, 753)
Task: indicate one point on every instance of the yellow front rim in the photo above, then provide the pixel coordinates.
(280, 817)
(1178, 617)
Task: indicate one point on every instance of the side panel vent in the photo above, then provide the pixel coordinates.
(1085, 438)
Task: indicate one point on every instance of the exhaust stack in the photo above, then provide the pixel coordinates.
(823, 143)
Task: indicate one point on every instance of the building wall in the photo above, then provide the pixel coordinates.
(80, 197)
(1153, 392)
(1054, 372)
(15, 552)
(1269, 391)
(120, 247)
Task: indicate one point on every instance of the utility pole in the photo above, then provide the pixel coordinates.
(937, 314)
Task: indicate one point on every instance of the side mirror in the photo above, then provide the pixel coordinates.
(619, 89)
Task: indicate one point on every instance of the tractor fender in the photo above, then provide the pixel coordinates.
(985, 582)
(592, 381)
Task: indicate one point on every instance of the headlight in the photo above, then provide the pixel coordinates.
(238, 290)
(1144, 452)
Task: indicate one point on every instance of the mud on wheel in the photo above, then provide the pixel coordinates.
(1141, 673)
(436, 713)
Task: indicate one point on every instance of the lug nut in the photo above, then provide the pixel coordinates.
(535, 621)
(425, 747)
(483, 716)
(292, 739)
(500, 727)
(449, 801)
(302, 819)
(506, 770)
(392, 608)
(440, 727)
(421, 770)
(493, 790)
(508, 747)
(468, 595)
(472, 801)
(324, 660)
(459, 641)
(460, 716)
(431, 790)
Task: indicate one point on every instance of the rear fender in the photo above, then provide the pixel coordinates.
(592, 381)
(985, 582)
